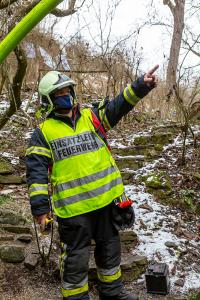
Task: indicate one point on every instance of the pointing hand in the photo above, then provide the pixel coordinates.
(150, 79)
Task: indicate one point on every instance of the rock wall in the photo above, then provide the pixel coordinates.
(18, 245)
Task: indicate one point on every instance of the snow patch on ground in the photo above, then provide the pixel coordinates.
(152, 239)
(13, 159)
(116, 144)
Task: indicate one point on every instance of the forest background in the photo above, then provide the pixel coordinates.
(103, 46)
(83, 39)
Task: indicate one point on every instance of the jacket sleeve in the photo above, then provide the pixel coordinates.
(38, 159)
(110, 112)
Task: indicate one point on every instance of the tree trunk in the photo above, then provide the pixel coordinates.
(178, 14)
(15, 101)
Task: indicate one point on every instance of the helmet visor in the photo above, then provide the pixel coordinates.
(63, 81)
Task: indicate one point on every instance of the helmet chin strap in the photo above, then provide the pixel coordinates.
(63, 114)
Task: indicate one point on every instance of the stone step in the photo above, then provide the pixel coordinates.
(10, 217)
(11, 179)
(12, 253)
(15, 228)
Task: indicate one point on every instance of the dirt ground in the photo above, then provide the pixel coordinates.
(19, 283)
(16, 282)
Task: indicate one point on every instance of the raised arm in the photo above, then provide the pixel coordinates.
(111, 112)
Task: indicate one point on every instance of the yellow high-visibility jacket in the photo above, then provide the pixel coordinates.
(84, 174)
(95, 176)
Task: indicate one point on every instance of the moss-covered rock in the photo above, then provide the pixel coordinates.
(125, 151)
(152, 154)
(12, 253)
(167, 197)
(158, 181)
(153, 181)
(131, 151)
(173, 128)
(142, 140)
(128, 237)
(162, 139)
(189, 200)
(159, 194)
(197, 176)
(10, 217)
(11, 179)
(126, 177)
(148, 151)
(132, 266)
(141, 178)
(159, 186)
(194, 296)
(5, 167)
(130, 163)
(158, 147)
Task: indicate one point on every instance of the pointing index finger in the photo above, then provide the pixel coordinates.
(153, 69)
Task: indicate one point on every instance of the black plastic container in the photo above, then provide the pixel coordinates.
(157, 279)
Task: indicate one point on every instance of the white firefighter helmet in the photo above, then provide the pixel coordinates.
(49, 84)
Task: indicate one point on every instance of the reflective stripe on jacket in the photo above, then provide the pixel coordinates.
(84, 174)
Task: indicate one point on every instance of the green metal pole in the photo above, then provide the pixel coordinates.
(14, 37)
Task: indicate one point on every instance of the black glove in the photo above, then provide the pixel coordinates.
(122, 218)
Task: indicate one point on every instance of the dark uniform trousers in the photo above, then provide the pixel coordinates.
(76, 234)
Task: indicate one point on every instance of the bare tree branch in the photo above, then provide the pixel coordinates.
(56, 12)
(13, 16)
(191, 48)
(63, 13)
(81, 4)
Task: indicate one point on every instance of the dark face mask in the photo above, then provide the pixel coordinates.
(64, 102)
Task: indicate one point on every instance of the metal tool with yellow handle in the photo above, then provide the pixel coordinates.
(44, 238)
(48, 224)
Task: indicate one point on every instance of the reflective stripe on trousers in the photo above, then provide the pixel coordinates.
(109, 275)
(76, 233)
(67, 292)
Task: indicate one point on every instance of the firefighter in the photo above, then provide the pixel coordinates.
(85, 181)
